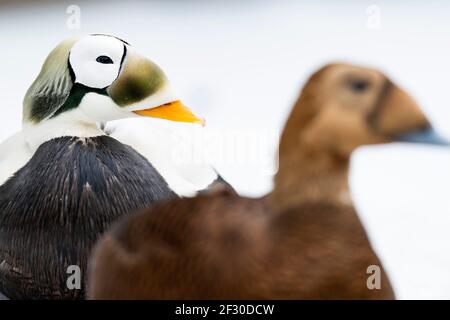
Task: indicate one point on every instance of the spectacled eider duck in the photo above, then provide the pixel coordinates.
(63, 180)
(302, 241)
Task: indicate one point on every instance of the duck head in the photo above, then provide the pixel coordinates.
(101, 78)
(344, 106)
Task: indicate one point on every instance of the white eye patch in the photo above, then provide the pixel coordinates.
(96, 60)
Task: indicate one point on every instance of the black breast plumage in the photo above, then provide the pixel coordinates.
(54, 209)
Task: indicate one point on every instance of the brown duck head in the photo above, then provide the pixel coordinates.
(340, 108)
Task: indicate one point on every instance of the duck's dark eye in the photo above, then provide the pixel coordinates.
(359, 85)
(104, 59)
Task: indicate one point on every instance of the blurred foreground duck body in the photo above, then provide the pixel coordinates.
(63, 179)
(302, 241)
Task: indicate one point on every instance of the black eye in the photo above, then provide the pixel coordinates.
(104, 59)
(359, 85)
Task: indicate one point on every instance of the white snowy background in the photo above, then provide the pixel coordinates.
(240, 64)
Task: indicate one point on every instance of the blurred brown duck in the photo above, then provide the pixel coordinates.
(303, 241)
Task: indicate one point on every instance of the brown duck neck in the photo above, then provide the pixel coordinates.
(311, 175)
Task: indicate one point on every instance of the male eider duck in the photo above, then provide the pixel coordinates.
(302, 241)
(63, 179)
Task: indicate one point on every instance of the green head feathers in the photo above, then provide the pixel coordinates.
(52, 86)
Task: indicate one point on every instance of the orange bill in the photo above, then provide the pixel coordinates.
(174, 111)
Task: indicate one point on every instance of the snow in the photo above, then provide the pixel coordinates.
(241, 64)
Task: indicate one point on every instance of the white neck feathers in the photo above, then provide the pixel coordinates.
(70, 123)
